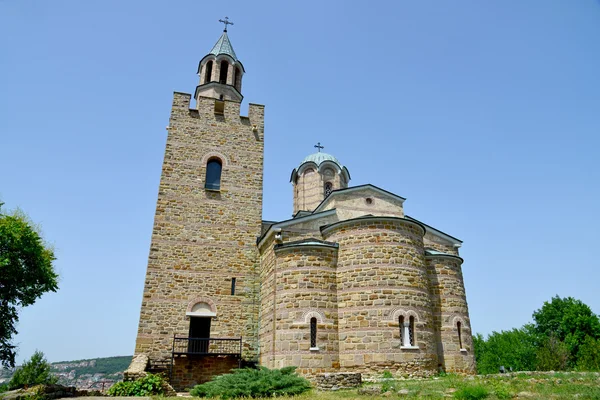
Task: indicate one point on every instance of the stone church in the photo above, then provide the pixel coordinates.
(350, 283)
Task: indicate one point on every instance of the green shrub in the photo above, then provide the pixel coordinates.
(149, 385)
(589, 355)
(3, 388)
(471, 392)
(35, 371)
(247, 382)
(388, 384)
(553, 355)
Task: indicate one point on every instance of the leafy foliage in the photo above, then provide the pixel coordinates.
(565, 335)
(150, 385)
(515, 348)
(472, 392)
(568, 320)
(26, 273)
(247, 382)
(589, 355)
(552, 355)
(35, 371)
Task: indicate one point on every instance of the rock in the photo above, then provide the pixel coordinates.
(525, 395)
(386, 394)
(403, 392)
(371, 390)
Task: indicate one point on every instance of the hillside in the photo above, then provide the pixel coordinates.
(95, 373)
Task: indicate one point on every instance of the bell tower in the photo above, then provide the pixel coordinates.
(199, 312)
(220, 71)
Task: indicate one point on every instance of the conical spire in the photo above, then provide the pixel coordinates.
(223, 46)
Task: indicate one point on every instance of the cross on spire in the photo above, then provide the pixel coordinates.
(319, 147)
(226, 22)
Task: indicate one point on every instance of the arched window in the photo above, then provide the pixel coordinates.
(328, 188)
(313, 333)
(458, 327)
(401, 322)
(208, 72)
(213, 174)
(407, 331)
(223, 72)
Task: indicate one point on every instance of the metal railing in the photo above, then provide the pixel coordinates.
(212, 346)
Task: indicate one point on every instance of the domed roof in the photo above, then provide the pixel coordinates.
(319, 158)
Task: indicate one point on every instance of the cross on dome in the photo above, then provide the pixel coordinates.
(319, 147)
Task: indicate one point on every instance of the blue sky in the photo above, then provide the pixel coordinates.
(484, 115)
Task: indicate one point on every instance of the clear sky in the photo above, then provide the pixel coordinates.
(485, 115)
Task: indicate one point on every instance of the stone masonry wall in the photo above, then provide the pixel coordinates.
(381, 275)
(194, 370)
(350, 205)
(202, 238)
(305, 279)
(450, 307)
(309, 189)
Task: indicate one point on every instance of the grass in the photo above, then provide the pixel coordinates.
(564, 385)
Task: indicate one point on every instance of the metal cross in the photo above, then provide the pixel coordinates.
(226, 22)
(318, 146)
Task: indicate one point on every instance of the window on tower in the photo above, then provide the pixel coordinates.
(328, 188)
(208, 73)
(213, 174)
(223, 72)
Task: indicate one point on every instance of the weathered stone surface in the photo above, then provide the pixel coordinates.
(337, 381)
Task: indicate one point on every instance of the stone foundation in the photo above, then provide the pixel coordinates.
(194, 370)
(338, 380)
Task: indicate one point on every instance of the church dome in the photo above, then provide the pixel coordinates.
(319, 158)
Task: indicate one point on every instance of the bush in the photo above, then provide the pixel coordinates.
(149, 385)
(553, 355)
(262, 382)
(471, 392)
(589, 355)
(36, 371)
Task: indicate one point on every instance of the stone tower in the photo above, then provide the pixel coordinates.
(315, 178)
(199, 305)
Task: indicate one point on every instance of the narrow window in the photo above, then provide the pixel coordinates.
(208, 74)
(328, 188)
(313, 333)
(232, 286)
(223, 72)
(213, 174)
(458, 326)
(411, 330)
(401, 323)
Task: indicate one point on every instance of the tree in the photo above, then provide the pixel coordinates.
(515, 349)
(36, 371)
(26, 273)
(552, 355)
(588, 358)
(569, 321)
